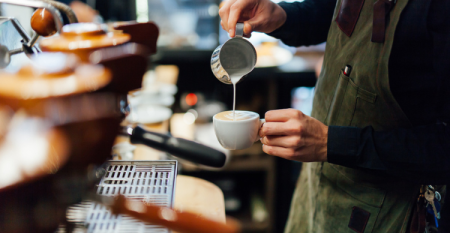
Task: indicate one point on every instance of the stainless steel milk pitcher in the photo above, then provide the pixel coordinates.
(236, 57)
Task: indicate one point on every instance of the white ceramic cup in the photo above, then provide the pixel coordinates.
(238, 135)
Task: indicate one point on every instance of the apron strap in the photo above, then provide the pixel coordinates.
(381, 9)
(418, 221)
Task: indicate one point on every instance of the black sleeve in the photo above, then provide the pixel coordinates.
(307, 22)
(420, 154)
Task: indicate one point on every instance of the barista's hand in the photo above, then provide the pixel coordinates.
(257, 15)
(290, 134)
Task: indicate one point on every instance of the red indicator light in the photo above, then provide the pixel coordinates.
(191, 99)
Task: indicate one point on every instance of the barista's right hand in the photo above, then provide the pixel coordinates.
(257, 15)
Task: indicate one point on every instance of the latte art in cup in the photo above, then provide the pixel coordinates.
(240, 116)
(237, 134)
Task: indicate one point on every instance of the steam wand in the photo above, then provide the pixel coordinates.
(182, 148)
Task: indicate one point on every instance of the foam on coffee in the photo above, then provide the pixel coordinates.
(240, 115)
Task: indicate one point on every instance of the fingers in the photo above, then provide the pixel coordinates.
(292, 141)
(247, 28)
(224, 13)
(287, 153)
(257, 15)
(301, 154)
(283, 115)
(231, 12)
(280, 128)
(235, 13)
(290, 134)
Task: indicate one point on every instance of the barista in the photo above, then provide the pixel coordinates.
(379, 128)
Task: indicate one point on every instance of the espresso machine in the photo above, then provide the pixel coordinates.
(61, 107)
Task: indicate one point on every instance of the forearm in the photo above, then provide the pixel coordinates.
(421, 154)
(307, 22)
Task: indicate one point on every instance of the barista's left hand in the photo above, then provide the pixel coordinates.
(290, 134)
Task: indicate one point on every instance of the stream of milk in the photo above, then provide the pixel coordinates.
(235, 76)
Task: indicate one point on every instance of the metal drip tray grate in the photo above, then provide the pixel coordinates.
(148, 181)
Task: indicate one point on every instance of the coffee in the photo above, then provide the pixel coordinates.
(239, 115)
(237, 134)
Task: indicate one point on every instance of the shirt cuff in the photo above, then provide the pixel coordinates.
(342, 146)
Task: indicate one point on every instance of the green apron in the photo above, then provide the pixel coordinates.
(326, 194)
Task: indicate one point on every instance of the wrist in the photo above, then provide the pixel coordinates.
(280, 18)
(324, 152)
(281, 15)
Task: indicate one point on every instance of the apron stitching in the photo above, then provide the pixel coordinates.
(317, 192)
(408, 213)
(378, 215)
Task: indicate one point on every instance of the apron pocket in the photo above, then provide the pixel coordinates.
(364, 114)
(344, 206)
(343, 104)
(348, 15)
(347, 98)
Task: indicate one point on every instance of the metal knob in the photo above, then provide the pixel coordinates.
(43, 22)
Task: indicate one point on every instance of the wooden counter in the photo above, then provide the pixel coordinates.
(201, 197)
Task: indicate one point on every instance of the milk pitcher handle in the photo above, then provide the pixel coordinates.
(239, 30)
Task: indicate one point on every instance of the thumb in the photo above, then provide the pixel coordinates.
(247, 28)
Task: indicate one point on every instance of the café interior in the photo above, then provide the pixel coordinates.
(106, 119)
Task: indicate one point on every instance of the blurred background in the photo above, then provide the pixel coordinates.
(257, 187)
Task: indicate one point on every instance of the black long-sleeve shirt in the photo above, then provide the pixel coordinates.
(419, 78)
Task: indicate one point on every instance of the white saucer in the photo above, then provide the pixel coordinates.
(150, 98)
(149, 114)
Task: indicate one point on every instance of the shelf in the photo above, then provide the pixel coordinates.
(250, 163)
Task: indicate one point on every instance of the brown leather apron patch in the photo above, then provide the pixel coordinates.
(381, 9)
(418, 221)
(358, 219)
(348, 15)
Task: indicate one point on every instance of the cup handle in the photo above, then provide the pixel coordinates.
(239, 30)
(261, 123)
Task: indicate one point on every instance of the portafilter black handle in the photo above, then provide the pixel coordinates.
(182, 148)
